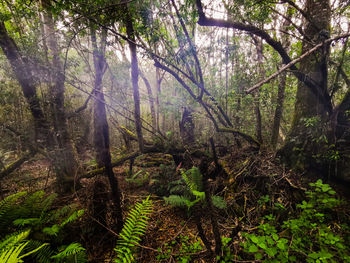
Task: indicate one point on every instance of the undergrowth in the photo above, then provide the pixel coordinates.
(38, 229)
(314, 232)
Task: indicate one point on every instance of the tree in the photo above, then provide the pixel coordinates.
(101, 128)
(313, 99)
(59, 144)
(63, 154)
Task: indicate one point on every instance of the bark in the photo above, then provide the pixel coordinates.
(187, 127)
(151, 102)
(308, 105)
(63, 154)
(258, 125)
(281, 86)
(134, 77)
(101, 129)
(159, 79)
(26, 79)
(279, 109)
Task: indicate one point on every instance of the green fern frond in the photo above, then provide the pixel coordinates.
(8, 210)
(13, 239)
(176, 200)
(178, 189)
(74, 252)
(73, 217)
(43, 255)
(193, 179)
(11, 254)
(26, 221)
(199, 195)
(219, 202)
(134, 226)
(12, 246)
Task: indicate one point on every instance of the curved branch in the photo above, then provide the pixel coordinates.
(276, 45)
(247, 137)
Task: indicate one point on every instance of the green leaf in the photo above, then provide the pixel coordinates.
(253, 249)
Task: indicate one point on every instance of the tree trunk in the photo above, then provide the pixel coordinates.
(27, 81)
(310, 111)
(187, 127)
(281, 86)
(134, 77)
(258, 124)
(101, 129)
(151, 102)
(63, 154)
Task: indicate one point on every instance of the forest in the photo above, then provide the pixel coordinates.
(174, 131)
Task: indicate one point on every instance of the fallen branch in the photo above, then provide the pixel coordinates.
(15, 165)
(101, 170)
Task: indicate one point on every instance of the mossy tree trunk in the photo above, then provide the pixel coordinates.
(25, 77)
(310, 114)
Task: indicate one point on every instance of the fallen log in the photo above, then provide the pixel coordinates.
(15, 165)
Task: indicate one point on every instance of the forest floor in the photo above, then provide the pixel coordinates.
(255, 182)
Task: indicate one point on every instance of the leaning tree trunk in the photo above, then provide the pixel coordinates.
(310, 111)
(26, 79)
(63, 153)
(101, 129)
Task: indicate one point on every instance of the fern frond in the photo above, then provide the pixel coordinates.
(11, 254)
(71, 253)
(73, 217)
(178, 189)
(26, 221)
(12, 247)
(193, 179)
(13, 239)
(219, 202)
(134, 226)
(177, 200)
(199, 195)
(43, 255)
(7, 210)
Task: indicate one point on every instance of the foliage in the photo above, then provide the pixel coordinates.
(135, 226)
(13, 245)
(160, 181)
(44, 227)
(310, 235)
(138, 178)
(185, 251)
(193, 192)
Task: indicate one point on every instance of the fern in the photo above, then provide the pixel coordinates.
(74, 252)
(191, 193)
(12, 246)
(219, 202)
(135, 226)
(35, 212)
(7, 214)
(193, 179)
(139, 178)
